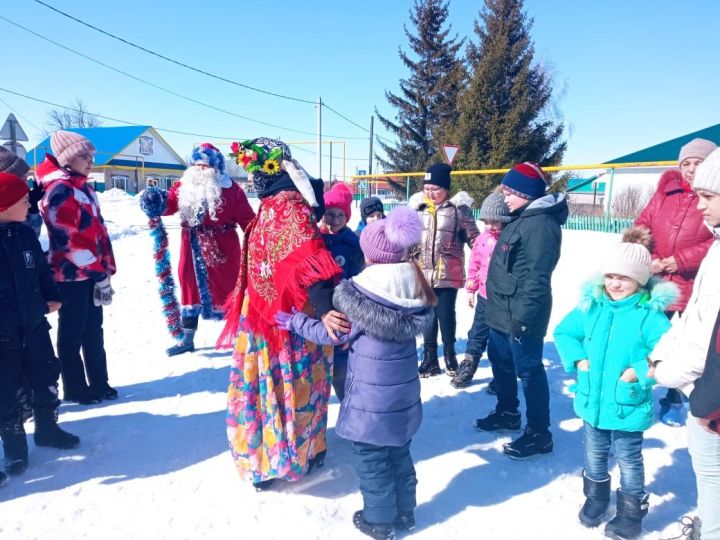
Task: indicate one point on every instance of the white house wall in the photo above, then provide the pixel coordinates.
(153, 150)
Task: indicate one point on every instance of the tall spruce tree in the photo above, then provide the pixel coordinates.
(428, 98)
(505, 110)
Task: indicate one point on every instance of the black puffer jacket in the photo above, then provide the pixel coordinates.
(705, 397)
(26, 285)
(518, 285)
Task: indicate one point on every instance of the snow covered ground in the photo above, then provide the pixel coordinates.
(155, 463)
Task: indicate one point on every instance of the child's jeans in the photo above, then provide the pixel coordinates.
(628, 453)
(387, 481)
(479, 331)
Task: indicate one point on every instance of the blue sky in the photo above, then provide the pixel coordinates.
(627, 74)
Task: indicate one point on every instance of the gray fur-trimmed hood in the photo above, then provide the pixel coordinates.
(380, 319)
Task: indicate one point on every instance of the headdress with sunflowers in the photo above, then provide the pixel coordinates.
(266, 160)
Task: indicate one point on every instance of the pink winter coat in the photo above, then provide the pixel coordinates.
(480, 262)
(678, 230)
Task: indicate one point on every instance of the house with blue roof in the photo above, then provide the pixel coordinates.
(127, 158)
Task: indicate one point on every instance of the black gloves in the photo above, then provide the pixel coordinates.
(517, 330)
(36, 195)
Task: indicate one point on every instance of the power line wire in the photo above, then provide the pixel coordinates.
(168, 130)
(198, 70)
(328, 107)
(163, 89)
(12, 109)
(177, 62)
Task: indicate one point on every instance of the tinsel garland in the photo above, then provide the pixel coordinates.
(153, 202)
(201, 276)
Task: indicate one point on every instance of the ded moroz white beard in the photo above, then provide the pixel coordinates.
(199, 191)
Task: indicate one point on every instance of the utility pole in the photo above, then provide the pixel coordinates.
(330, 170)
(319, 139)
(370, 157)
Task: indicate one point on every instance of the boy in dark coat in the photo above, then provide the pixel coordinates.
(27, 294)
(519, 301)
(388, 304)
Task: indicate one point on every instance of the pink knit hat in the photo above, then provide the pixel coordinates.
(697, 148)
(387, 240)
(340, 196)
(66, 146)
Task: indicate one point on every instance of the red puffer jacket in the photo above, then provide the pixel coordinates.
(80, 246)
(678, 230)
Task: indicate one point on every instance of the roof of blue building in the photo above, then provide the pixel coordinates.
(108, 141)
(669, 150)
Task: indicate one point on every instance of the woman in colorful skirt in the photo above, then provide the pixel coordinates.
(279, 383)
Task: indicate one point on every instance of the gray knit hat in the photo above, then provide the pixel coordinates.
(494, 209)
(12, 163)
(707, 174)
(697, 148)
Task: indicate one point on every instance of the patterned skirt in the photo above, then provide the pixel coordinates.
(277, 405)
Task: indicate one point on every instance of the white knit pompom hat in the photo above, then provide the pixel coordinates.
(707, 174)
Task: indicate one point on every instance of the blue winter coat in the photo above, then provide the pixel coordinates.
(345, 248)
(613, 336)
(382, 403)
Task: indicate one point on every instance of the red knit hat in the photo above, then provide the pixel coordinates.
(12, 189)
(340, 196)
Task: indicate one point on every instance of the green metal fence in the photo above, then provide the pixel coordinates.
(574, 223)
(597, 223)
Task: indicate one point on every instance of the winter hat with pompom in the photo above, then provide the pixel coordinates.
(340, 196)
(387, 240)
(631, 257)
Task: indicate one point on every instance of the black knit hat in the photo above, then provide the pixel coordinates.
(12, 163)
(438, 175)
(370, 205)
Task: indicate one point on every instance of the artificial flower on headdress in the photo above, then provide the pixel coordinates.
(258, 157)
(266, 160)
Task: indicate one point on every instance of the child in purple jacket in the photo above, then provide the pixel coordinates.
(388, 304)
(494, 213)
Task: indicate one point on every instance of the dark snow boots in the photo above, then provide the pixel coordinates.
(466, 372)
(631, 510)
(15, 447)
(429, 367)
(597, 501)
(378, 531)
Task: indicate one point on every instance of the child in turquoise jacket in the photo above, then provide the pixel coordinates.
(605, 341)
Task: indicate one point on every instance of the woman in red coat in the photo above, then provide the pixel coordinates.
(211, 207)
(681, 239)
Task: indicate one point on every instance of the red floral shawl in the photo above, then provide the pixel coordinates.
(283, 254)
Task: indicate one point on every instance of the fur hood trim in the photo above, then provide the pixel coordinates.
(461, 198)
(382, 322)
(670, 180)
(659, 294)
